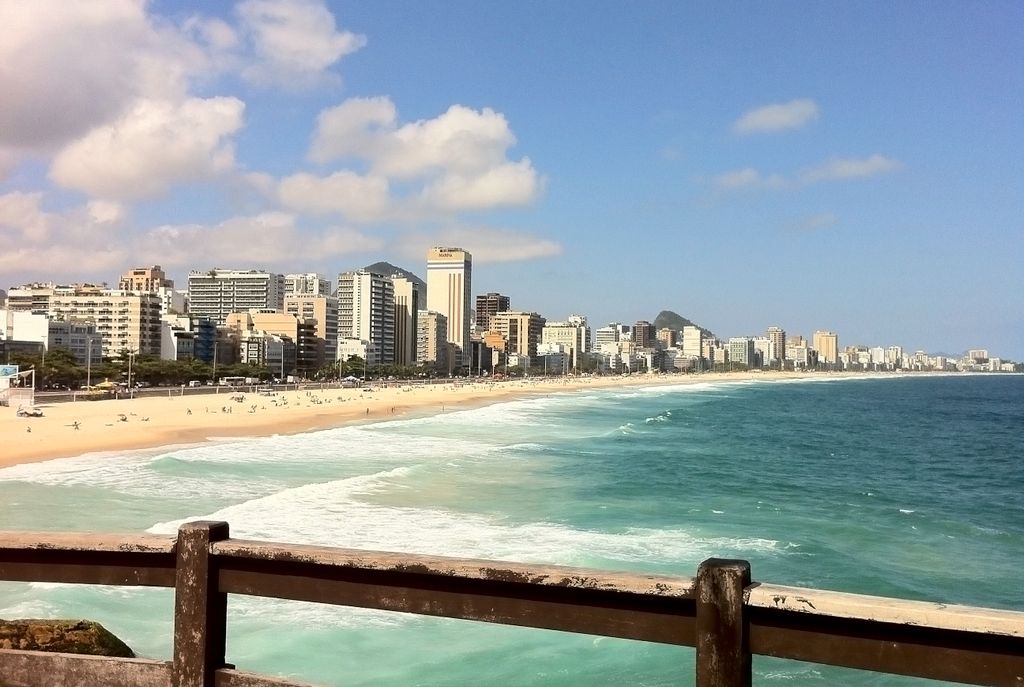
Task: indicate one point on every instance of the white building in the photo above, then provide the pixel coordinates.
(573, 334)
(366, 311)
(361, 348)
(172, 301)
(741, 351)
(615, 331)
(308, 283)
(764, 351)
(177, 342)
(217, 293)
(557, 358)
(449, 288)
(693, 342)
(797, 353)
(894, 357)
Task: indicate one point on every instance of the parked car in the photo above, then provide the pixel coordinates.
(30, 411)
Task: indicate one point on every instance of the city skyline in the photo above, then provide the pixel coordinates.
(851, 168)
(456, 293)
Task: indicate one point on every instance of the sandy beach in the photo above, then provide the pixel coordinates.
(76, 428)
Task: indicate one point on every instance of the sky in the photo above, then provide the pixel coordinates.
(856, 167)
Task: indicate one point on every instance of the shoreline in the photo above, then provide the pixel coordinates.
(78, 428)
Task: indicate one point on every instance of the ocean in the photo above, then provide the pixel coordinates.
(907, 486)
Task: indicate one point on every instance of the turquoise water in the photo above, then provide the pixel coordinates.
(908, 487)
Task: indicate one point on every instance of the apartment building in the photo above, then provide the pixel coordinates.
(218, 293)
(125, 321)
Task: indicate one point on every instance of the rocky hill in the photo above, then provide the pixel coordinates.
(672, 320)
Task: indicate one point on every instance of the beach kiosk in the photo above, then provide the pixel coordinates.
(17, 388)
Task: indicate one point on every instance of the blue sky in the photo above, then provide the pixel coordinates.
(854, 167)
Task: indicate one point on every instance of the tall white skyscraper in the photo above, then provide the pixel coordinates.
(449, 285)
(366, 311)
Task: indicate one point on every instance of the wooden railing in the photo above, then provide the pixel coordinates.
(720, 612)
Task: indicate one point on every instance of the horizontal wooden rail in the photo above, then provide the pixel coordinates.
(644, 607)
(87, 558)
(721, 612)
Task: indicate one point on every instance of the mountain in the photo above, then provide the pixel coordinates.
(387, 269)
(671, 320)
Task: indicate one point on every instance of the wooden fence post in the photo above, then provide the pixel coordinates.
(200, 611)
(723, 648)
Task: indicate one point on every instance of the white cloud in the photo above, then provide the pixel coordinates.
(357, 128)
(347, 193)
(67, 67)
(461, 140)
(105, 211)
(459, 158)
(22, 219)
(512, 183)
(777, 117)
(153, 146)
(79, 240)
(852, 168)
(747, 178)
(295, 41)
(94, 240)
(254, 239)
(836, 168)
(486, 244)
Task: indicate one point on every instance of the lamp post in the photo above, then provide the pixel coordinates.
(88, 362)
(215, 343)
(131, 356)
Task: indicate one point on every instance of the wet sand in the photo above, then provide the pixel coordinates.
(80, 427)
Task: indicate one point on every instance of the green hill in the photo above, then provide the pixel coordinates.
(672, 320)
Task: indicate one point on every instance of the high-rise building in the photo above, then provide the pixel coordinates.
(894, 357)
(77, 336)
(366, 311)
(126, 321)
(324, 311)
(521, 330)
(741, 350)
(490, 304)
(612, 333)
(764, 351)
(668, 337)
(432, 339)
(407, 307)
(33, 297)
(449, 284)
(310, 283)
(827, 345)
(644, 334)
(300, 336)
(777, 335)
(147, 279)
(573, 335)
(978, 354)
(218, 293)
(693, 342)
